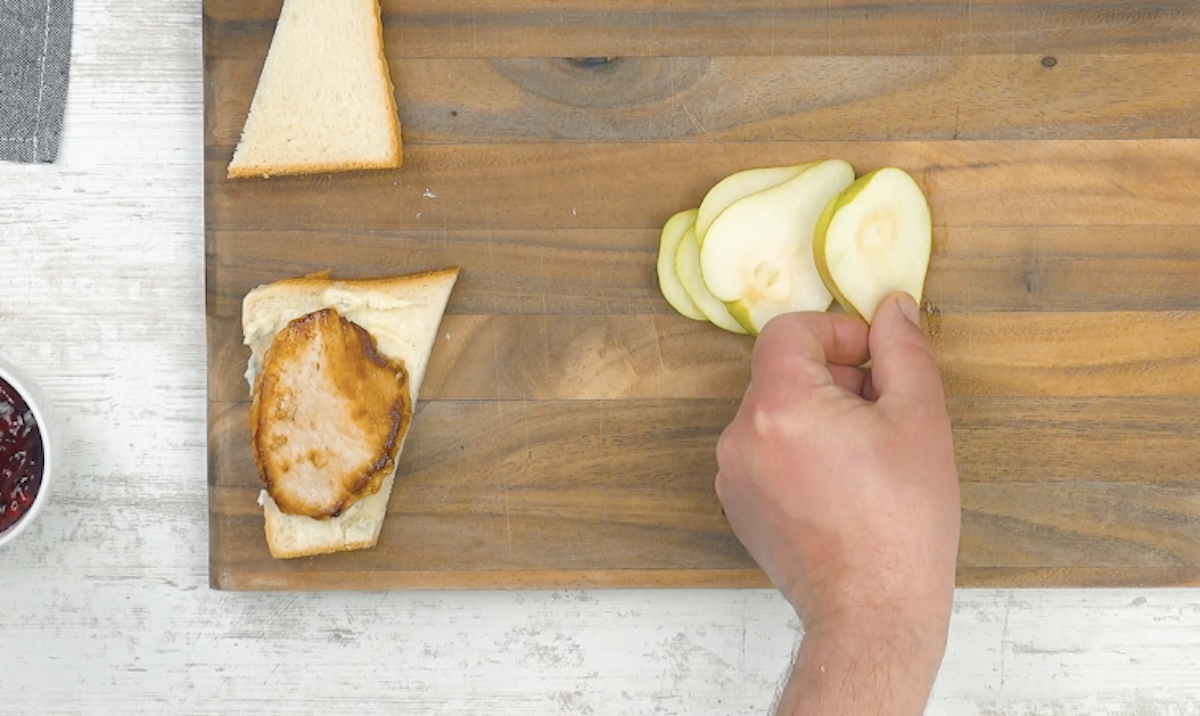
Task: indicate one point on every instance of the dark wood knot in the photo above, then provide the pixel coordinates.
(587, 63)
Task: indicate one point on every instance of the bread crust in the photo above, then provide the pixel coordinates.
(321, 280)
(266, 171)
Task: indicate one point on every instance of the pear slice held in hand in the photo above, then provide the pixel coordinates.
(874, 239)
(757, 255)
(739, 186)
(668, 280)
(687, 266)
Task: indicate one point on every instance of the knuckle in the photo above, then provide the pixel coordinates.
(774, 422)
(727, 447)
(720, 485)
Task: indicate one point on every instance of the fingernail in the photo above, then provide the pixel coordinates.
(909, 308)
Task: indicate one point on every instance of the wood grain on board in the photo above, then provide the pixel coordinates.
(978, 268)
(587, 28)
(568, 420)
(744, 98)
(637, 185)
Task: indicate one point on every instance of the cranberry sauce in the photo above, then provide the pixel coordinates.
(20, 457)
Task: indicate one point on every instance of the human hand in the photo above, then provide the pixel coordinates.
(841, 482)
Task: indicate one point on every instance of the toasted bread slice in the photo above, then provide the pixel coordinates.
(402, 316)
(324, 100)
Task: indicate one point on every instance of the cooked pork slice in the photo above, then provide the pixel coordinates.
(328, 416)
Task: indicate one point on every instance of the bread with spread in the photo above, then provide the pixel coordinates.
(334, 372)
(324, 100)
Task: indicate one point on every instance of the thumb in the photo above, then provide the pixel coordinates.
(903, 361)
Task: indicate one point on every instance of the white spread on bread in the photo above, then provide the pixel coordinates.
(374, 310)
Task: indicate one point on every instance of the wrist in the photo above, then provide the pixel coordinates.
(885, 664)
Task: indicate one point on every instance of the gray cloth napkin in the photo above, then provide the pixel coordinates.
(35, 55)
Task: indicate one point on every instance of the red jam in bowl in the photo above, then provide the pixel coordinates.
(21, 458)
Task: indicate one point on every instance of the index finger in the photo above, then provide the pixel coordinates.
(802, 346)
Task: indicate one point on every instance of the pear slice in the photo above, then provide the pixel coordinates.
(668, 281)
(687, 266)
(739, 186)
(757, 256)
(874, 239)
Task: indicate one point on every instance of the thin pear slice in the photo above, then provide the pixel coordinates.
(687, 266)
(757, 257)
(739, 186)
(668, 280)
(875, 239)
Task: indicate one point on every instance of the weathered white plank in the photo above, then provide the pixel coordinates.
(104, 607)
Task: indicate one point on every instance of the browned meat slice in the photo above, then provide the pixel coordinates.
(328, 415)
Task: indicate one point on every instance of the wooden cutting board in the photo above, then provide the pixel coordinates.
(566, 432)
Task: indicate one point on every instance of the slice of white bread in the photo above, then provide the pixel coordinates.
(402, 314)
(324, 100)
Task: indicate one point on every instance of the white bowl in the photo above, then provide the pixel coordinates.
(45, 420)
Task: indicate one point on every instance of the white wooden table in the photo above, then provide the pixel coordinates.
(105, 606)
